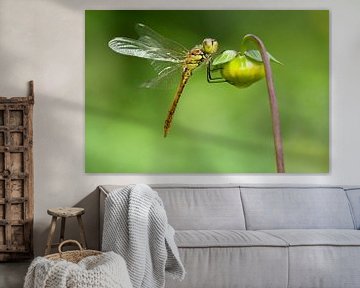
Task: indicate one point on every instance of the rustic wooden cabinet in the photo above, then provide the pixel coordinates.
(16, 177)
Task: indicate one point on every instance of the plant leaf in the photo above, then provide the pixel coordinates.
(256, 55)
(225, 57)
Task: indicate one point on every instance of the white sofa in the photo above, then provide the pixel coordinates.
(263, 237)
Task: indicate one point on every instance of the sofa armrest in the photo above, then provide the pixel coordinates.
(103, 195)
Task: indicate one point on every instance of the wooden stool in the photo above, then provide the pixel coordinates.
(64, 213)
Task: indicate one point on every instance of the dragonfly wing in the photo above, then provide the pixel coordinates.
(138, 48)
(166, 56)
(153, 38)
(162, 66)
(167, 76)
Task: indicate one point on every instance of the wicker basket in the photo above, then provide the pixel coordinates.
(72, 256)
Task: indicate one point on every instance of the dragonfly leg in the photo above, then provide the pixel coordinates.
(211, 78)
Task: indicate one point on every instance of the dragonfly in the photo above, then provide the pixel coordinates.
(167, 57)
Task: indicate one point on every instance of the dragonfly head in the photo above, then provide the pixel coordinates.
(210, 46)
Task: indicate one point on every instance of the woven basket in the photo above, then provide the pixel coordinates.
(72, 256)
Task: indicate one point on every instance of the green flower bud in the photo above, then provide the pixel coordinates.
(242, 71)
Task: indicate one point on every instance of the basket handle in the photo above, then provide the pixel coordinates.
(69, 241)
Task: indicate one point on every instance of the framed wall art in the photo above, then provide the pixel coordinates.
(186, 92)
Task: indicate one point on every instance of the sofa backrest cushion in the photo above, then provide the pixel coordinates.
(202, 208)
(296, 208)
(354, 198)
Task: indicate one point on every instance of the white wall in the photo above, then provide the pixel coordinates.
(43, 40)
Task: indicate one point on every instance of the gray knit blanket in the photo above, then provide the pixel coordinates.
(107, 270)
(136, 227)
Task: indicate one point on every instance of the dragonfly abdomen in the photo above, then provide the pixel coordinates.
(193, 60)
(184, 79)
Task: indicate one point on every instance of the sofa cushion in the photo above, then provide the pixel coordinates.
(324, 266)
(296, 208)
(317, 237)
(191, 207)
(223, 267)
(226, 238)
(327, 258)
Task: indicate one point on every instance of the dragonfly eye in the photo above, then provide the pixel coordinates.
(210, 45)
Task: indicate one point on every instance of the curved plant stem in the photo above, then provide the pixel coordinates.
(273, 102)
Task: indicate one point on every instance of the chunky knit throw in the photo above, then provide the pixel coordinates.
(136, 227)
(107, 270)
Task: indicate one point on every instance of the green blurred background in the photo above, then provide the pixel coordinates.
(217, 128)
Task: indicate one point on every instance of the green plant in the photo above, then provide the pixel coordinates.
(244, 68)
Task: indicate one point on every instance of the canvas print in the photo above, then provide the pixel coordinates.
(207, 91)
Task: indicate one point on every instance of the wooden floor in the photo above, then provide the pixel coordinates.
(12, 274)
